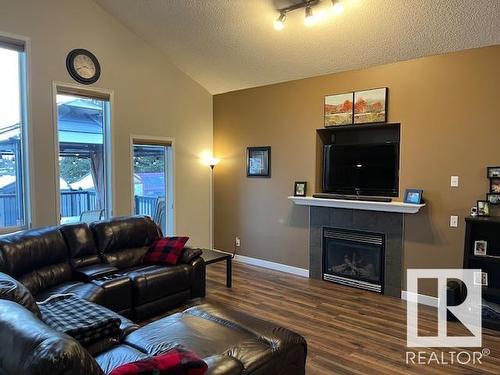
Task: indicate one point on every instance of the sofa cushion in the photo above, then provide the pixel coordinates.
(28, 346)
(117, 356)
(13, 290)
(166, 250)
(177, 361)
(153, 282)
(81, 245)
(47, 277)
(38, 258)
(127, 258)
(124, 241)
(88, 291)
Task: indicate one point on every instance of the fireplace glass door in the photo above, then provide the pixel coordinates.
(354, 258)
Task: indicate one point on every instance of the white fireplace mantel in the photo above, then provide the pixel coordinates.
(404, 208)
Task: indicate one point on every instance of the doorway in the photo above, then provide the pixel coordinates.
(152, 180)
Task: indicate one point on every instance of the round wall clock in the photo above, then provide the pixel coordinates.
(83, 66)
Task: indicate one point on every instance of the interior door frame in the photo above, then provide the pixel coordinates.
(169, 143)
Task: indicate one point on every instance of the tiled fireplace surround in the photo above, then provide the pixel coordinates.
(391, 224)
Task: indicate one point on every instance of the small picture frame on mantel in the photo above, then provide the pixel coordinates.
(300, 188)
(413, 196)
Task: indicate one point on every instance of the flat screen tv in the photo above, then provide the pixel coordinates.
(361, 169)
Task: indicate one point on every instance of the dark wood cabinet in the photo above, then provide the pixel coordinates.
(485, 229)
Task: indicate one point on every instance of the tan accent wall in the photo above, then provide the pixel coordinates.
(448, 107)
(152, 97)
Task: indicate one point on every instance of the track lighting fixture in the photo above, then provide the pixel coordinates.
(310, 18)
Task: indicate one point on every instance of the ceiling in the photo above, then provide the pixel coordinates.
(228, 45)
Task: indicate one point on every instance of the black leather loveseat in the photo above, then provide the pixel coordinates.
(66, 260)
(102, 263)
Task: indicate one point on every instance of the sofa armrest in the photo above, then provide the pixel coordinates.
(94, 271)
(189, 254)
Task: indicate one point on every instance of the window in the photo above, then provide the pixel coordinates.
(83, 135)
(13, 137)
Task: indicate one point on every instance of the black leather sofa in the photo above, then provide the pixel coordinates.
(75, 258)
(102, 263)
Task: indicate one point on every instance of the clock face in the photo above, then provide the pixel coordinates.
(84, 66)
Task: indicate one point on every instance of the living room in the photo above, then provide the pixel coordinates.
(325, 174)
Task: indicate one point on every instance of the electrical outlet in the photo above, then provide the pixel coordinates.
(454, 181)
(454, 221)
(237, 242)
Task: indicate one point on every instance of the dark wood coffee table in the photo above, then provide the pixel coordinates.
(213, 256)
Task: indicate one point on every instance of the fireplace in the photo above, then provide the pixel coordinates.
(354, 258)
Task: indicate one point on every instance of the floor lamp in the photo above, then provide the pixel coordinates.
(212, 162)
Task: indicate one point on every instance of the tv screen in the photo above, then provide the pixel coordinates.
(362, 169)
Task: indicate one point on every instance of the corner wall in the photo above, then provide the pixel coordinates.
(448, 109)
(152, 97)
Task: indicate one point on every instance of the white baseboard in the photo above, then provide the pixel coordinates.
(272, 265)
(421, 298)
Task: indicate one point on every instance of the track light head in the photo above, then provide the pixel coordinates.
(337, 7)
(310, 19)
(279, 23)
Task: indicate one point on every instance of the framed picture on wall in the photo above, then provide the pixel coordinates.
(338, 109)
(494, 185)
(493, 198)
(259, 161)
(370, 106)
(493, 172)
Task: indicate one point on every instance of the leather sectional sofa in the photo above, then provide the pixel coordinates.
(84, 260)
(79, 259)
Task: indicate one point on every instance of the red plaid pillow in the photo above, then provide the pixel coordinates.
(166, 250)
(177, 361)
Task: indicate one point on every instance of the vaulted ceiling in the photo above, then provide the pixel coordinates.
(228, 45)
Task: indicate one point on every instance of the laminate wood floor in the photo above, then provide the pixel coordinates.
(348, 331)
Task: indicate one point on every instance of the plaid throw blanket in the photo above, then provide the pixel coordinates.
(83, 320)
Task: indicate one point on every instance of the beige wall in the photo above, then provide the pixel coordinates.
(151, 97)
(448, 109)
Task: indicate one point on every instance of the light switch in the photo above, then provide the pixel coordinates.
(454, 181)
(454, 221)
